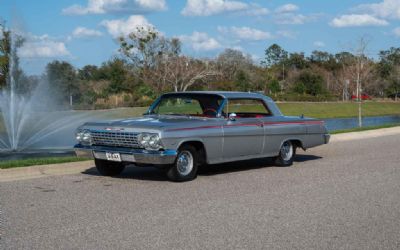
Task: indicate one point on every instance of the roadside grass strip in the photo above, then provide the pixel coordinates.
(39, 161)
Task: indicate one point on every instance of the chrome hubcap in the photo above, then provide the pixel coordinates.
(184, 163)
(287, 151)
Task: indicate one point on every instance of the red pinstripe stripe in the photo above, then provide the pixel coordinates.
(305, 122)
(248, 125)
(202, 127)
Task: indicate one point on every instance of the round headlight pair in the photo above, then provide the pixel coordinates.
(84, 136)
(149, 141)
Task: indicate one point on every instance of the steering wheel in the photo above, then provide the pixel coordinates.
(210, 112)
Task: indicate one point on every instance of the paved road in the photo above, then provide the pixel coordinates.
(345, 195)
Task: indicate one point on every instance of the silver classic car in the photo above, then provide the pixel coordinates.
(182, 131)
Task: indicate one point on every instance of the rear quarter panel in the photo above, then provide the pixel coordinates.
(280, 129)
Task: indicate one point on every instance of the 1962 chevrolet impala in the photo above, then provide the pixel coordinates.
(181, 131)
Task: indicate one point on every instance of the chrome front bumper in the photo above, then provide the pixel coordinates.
(127, 155)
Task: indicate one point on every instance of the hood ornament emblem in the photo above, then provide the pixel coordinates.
(114, 129)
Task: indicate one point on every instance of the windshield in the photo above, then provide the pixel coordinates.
(203, 105)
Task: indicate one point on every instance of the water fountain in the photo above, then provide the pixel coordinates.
(33, 124)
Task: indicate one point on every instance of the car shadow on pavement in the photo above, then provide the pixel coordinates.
(304, 158)
(248, 165)
(134, 172)
(155, 174)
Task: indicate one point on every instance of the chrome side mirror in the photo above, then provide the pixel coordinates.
(232, 117)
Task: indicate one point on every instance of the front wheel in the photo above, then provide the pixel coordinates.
(286, 154)
(185, 166)
(108, 168)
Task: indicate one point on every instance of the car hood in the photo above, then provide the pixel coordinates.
(152, 122)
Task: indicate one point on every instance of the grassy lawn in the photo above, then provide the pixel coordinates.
(125, 112)
(39, 161)
(339, 109)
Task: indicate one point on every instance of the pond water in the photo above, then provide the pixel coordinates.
(348, 123)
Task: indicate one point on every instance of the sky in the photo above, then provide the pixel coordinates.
(84, 32)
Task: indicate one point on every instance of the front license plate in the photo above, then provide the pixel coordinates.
(113, 156)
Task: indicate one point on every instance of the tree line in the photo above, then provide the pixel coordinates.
(150, 64)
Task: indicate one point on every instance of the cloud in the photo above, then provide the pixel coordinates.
(42, 47)
(116, 6)
(385, 9)
(254, 10)
(200, 41)
(294, 18)
(121, 27)
(319, 44)
(287, 8)
(357, 20)
(286, 34)
(288, 14)
(214, 7)
(245, 33)
(82, 32)
(396, 32)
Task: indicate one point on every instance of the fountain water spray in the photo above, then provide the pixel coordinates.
(34, 121)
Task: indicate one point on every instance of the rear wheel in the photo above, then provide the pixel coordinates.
(185, 166)
(109, 168)
(286, 154)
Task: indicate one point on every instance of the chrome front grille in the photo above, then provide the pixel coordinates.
(115, 139)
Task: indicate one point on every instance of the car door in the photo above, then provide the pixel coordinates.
(244, 134)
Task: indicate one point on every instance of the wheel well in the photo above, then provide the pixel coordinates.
(200, 149)
(297, 143)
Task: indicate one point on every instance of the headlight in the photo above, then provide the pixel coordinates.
(149, 141)
(79, 136)
(84, 137)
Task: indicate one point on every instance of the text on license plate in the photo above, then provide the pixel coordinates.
(113, 156)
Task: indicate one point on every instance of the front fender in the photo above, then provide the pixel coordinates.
(185, 140)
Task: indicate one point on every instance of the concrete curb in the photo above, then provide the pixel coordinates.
(365, 134)
(32, 172)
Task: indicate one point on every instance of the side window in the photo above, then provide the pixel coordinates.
(247, 108)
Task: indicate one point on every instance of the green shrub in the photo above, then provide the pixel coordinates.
(309, 83)
(295, 97)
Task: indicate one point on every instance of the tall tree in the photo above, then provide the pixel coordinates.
(309, 83)
(297, 61)
(116, 72)
(145, 48)
(274, 55)
(230, 61)
(62, 79)
(388, 60)
(9, 60)
(5, 54)
(159, 62)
